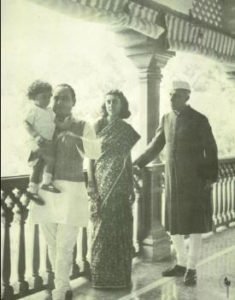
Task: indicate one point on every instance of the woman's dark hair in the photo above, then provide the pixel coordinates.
(124, 113)
(38, 87)
(65, 85)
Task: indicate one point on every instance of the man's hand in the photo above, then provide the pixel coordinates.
(68, 122)
(65, 124)
(39, 140)
(92, 191)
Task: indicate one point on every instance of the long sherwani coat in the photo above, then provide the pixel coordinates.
(191, 159)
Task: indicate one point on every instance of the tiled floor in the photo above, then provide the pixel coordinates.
(217, 261)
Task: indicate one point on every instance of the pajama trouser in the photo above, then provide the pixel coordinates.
(60, 239)
(189, 259)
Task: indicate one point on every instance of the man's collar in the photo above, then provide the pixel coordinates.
(63, 117)
(182, 111)
(176, 112)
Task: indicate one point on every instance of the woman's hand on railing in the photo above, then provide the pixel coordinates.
(208, 185)
(137, 179)
(137, 171)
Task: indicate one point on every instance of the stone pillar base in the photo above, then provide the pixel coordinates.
(155, 250)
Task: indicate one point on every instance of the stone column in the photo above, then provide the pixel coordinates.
(149, 57)
(156, 245)
(149, 65)
(149, 82)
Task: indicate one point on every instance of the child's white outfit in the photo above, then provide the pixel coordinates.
(41, 157)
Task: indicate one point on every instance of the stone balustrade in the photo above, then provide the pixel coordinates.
(25, 265)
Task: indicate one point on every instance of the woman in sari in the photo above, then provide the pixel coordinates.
(110, 185)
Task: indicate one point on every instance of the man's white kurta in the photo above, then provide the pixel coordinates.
(71, 205)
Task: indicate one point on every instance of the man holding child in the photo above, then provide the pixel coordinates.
(66, 211)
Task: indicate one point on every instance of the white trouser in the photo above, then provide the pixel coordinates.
(189, 259)
(60, 239)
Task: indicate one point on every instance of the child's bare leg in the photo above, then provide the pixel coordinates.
(47, 183)
(48, 171)
(35, 177)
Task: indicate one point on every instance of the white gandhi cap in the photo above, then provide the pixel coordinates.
(182, 85)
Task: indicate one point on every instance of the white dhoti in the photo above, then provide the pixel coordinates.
(69, 207)
(60, 219)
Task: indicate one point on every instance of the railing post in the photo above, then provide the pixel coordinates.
(20, 215)
(232, 172)
(7, 291)
(231, 192)
(215, 205)
(226, 196)
(219, 222)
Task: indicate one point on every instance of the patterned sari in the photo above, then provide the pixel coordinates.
(112, 247)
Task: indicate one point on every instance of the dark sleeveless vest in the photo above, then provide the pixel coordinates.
(68, 157)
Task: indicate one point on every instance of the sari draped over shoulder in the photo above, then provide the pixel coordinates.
(112, 247)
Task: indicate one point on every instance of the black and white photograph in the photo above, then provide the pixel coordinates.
(118, 150)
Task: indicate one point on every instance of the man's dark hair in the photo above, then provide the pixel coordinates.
(65, 85)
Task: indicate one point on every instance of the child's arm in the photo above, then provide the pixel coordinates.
(33, 133)
(29, 126)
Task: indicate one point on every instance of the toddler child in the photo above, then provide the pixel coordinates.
(40, 125)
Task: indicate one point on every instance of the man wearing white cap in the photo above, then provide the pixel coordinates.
(191, 167)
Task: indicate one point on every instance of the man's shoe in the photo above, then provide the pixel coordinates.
(35, 197)
(50, 188)
(176, 271)
(190, 277)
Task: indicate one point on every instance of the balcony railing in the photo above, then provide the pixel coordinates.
(25, 267)
(151, 197)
